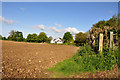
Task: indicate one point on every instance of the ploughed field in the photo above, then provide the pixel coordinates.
(31, 60)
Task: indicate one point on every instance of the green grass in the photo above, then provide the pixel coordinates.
(85, 60)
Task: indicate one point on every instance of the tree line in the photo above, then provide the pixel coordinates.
(43, 38)
(18, 36)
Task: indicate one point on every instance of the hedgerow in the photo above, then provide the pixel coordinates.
(86, 60)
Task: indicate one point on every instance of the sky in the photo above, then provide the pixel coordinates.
(60, 0)
(54, 18)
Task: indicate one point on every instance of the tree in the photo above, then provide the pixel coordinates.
(4, 38)
(34, 37)
(67, 37)
(80, 38)
(29, 38)
(24, 40)
(112, 22)
(12, 35)
(15, 35)
(42, 37)
(12, 32)
(0, 37)
(49, 39)
(18, 36)
(100, 24)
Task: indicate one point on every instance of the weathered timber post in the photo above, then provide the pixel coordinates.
(93, 44)
(111, 39)
(101, 42)
(93, 41)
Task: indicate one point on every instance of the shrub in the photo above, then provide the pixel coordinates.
(86, 60)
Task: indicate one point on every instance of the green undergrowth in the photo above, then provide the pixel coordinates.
(86, 60)
(68, 44)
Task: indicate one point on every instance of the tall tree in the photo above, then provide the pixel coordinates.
(29, 38)
(12, 35)
(67, 37)
(81, 38)
(12, 32)
(34, 37)
(42, 37)
(19, 36)
(15, 35)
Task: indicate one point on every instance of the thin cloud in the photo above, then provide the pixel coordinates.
(22, 9)
(42, 27)
(72, 30)
(5, 21)
(55, 29)
(58, 25)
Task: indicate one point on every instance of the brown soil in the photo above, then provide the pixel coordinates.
(31, 60)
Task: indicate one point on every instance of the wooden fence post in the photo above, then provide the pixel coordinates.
(93, 41)
(111, 39)
(101, 42)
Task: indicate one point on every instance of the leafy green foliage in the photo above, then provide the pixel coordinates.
(86, 60)
(86, 50)
(104, 27)
(67, 37)
(12, 35)
(42, 37)
(80, 38)
(29, 37)
(100, 24)
(24, 40)
(0, 37)
(15, 36)
(112, 22)
(68, 43)
(19, 36)
(34, 37)
(4, 38)
(49, 39)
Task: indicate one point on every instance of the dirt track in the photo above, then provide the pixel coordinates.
(32, 60)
